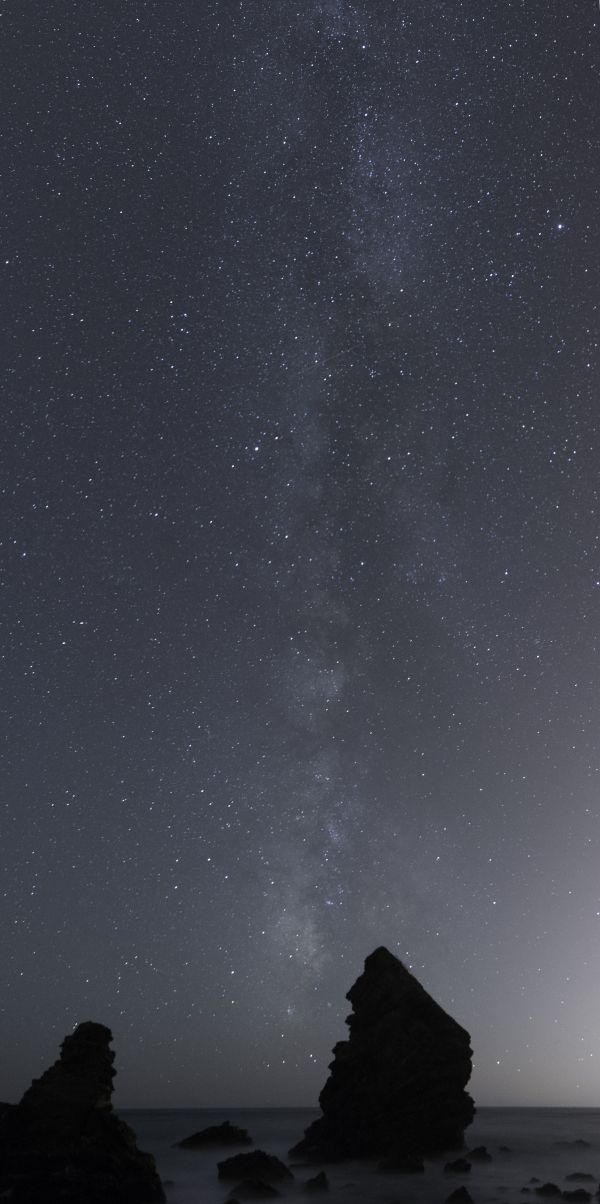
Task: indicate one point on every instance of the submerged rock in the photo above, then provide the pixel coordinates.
(460, 1196)
(460, 1166)
(318, 1183)
(215, 1135)
(64, 1142)
(397, 1084)
(254, 1166)
(479, 1154)
(548, 1189)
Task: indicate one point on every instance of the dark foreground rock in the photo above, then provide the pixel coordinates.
(317, 1184)
(479, 1154)
(254, 1166)
(460, 1196)
(548, 1189)
(63, 1144)
(459, 1166)
(397, 1084)
(215, 1135)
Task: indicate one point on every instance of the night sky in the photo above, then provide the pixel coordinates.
(300, 534)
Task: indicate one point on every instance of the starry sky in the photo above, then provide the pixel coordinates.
(300, 534)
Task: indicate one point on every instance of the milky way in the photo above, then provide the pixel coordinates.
(301, 577)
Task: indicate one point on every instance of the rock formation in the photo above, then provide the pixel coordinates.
(460, 1196)
(459, 1166)
(254, 1166)
(397, 1084)
(63, 1142)
(480, 1154)
(319, 1183)
(216, 1135)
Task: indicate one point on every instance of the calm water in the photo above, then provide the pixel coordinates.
(535, 1137)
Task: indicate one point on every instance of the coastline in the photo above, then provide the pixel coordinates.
(538, 1143)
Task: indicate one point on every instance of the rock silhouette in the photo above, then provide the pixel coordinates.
(460, 1196)
(460, 1166)
(63, 1142)
(216, 1135)
(319, 1183)
(397, 1084)
(254, 1166)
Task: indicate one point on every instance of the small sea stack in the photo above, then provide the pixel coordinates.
(63, 1142)
(224, 1134)
(256, 1166)
(397, 1085)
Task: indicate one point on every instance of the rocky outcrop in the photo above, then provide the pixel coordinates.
(460, 1166)
(216, 1135)
(460, 1196)
(397, 1084)
(480, 1154)
(63, 1142)
(319, 1183)
(254, 1166)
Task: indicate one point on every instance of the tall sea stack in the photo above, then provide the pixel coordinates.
(397, 1084)
(63, 1142)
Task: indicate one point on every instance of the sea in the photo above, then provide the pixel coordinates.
(529, 1147)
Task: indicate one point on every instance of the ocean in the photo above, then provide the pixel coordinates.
(545, 1143)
